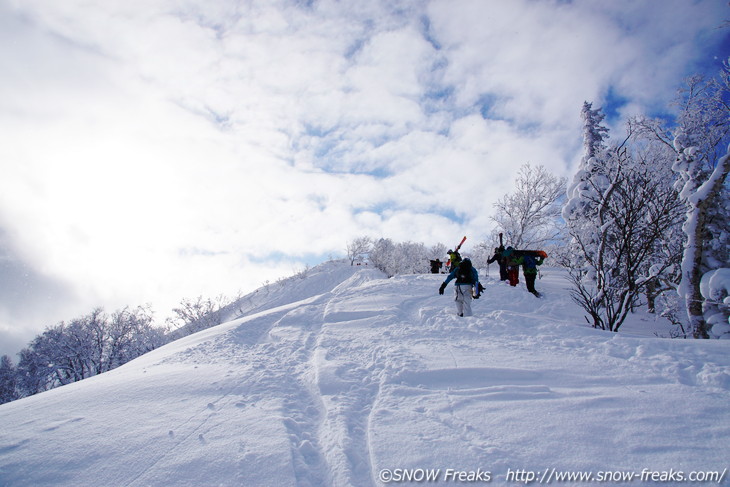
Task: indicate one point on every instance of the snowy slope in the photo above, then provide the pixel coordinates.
(352, 378)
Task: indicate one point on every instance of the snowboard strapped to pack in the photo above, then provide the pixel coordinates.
(534, 253)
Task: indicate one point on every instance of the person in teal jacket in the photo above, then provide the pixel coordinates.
(466, 286)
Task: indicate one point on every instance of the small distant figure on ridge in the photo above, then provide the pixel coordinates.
(436, 266)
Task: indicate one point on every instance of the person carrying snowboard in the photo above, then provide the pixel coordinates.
(466, 286)
(529, 264)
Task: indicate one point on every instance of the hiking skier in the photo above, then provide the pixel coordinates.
(501, 261)
(466, 286)
(454, 259)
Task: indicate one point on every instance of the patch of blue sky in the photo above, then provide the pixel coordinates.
(272, 256)
(665, 114)
(492, 107)
(309, 258)
(219, 119)
(333, 155)
(320, 201)
(613, 102)
(449, 214)
(487, 104)
(387, 208)
(366, 27)
(336, 166)
(715, 55)
(709, 66)
(312, 259)
(427, 32)
(380, 208)
(332, 139)
(723, 50)
(217, 24)
(325, 144)
(307, 4)
(354, 48)
(320, 131)
(437, 99)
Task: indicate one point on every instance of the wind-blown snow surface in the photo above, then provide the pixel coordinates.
(354, 374)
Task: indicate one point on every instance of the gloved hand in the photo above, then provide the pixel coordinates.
(441, 289)
(478, 291)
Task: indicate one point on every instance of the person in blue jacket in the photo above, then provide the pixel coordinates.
(466, 287)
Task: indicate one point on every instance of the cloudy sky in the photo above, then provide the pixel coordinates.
(163, 149)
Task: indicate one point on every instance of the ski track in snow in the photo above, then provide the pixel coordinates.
(361, 373)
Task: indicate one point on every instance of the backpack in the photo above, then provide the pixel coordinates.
(463, 273)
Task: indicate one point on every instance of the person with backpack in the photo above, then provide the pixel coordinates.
(454, 259)
(529, 265)
(501, 261)
(466, 286)
(436, 266)
(512, 265)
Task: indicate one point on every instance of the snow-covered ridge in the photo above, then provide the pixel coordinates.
(343, 377)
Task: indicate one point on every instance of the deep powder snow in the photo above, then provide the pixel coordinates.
(348, 378)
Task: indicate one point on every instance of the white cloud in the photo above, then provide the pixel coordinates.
(159, 150)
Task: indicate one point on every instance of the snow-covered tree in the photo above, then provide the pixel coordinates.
(413, 258)
(399, 258)
(383, 256)
(528, 216)
(358, 248)
(583, 211)
(8, 380)
(42, 362)
(702, 181)
(595, 134)
(617, 214)
(591, 185)
(706, 246)
(481, 253)
(84, 347)
(700, 141)
(130, 334)
(90, 335)
(437, 251)
(194, 315)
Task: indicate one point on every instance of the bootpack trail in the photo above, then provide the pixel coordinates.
(348, 378)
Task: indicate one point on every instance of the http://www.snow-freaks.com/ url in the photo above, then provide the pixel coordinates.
(547, 476)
